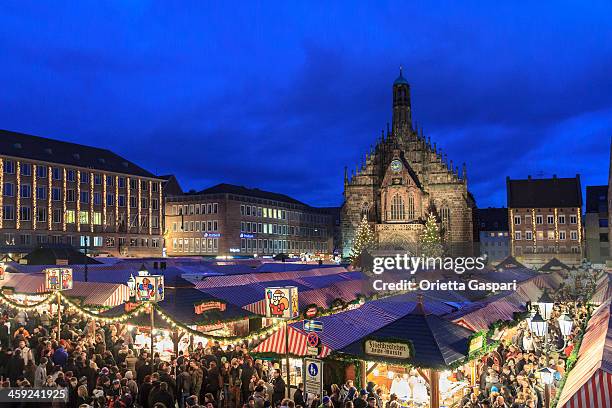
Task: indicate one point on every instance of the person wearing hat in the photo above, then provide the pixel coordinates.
(326, 402)
(361, 402)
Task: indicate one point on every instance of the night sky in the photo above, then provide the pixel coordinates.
(283, 95)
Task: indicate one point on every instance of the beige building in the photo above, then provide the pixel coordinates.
(55, 192)
(545, 220)
(403, 177)
(233, 220)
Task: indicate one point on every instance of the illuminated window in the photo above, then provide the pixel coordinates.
(83, 217)
(70, 216)
(97, 218)
(397, 207)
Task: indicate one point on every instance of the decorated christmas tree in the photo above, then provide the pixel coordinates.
(431, 238)
(364, 238)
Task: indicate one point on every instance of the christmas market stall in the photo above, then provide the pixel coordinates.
(184, 317)
(423, 358)
(589, 383)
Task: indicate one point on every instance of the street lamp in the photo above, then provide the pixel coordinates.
(132, 286)
(538, 325)
(547, 377)
(545, 304)
(565, 325)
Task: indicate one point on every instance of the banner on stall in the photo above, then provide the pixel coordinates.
(149, 288)
(282, 302)
(387, 349)
(58, 279)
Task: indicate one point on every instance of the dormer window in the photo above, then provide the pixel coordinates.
(17, 145)
(76, 156)
(48, 150)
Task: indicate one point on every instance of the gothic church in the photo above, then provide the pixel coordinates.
(402, 178)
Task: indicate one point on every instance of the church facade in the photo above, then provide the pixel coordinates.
(401, 180)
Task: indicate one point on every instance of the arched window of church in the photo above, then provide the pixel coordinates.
(397, 208)
(411, 207)
(445, 217)
(365, 211)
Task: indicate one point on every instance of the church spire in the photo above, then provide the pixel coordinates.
(401, 103)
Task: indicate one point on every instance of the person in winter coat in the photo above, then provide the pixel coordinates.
(15, 367)
(279, 388)
(40, 374)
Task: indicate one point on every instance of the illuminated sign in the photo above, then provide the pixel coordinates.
(282, 302)
(149, 288)
(58, 278)
(2, 270)
(234, 250)
(212, 305)
(387, 349)
(211, 235)
(243, 235)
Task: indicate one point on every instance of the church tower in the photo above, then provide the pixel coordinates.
(404, 175)
(401, 103)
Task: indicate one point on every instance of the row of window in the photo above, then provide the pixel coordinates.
(195, 244)
(25, 169)
(279, 229)
(549, 235)
(195, 209)
(550, 219)
(277, 213)
(271, 246)
(549, 249)
(84, 197)
(82, 241)
(190, 226)
(25, 214)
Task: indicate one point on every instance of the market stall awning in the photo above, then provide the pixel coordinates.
(509, 263)
(341, 329)
(603, 291)
(298, 345)
(554, 265)
(50, 254)
(99, 293)
(420, 339)
(589, 384)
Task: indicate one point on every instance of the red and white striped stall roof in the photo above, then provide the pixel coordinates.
(589, 384)
(298, 345)
(99, 293)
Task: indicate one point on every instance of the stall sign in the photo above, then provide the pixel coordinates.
(58, 278)
(149, 288)
(212, 305)
(313, 326)
(476, 344)
(313, 376)
(312, 339)
(311, 312)
(387, 349)
(2, 270)
(61, 262)
(282, 302)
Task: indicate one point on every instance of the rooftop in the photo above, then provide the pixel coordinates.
(225, 188)
(38, 148)
(540, 193)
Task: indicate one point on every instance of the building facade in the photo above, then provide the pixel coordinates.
(493, 236)
(55, 192)
(402, 178)
(233, 220)
(596, 224)
(545, 220)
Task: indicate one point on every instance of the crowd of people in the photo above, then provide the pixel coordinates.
(509, 375)
(99, 366)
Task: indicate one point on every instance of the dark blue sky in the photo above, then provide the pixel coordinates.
(283, 95)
